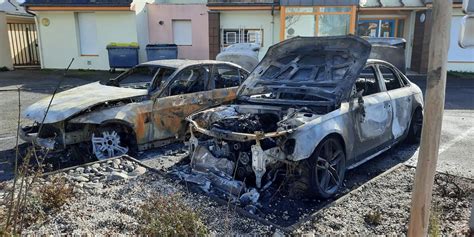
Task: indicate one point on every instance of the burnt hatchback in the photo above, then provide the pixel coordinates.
(142, 108)
(313, 108)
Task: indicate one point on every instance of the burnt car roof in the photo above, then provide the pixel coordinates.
(180, 63)
(324, 67)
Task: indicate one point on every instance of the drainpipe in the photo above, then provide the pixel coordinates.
(37, 23)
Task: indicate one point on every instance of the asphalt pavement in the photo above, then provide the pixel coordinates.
(456, 151)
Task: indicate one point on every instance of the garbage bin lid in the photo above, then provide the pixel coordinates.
(161, 45)
(122, 45)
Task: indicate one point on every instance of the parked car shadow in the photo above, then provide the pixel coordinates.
(281, 209)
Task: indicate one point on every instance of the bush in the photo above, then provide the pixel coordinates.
(170, 216)
(33, 211)
(55, 194)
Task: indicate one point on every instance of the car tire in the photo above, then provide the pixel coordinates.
(111, 141)
(313, 169)
(416, 124)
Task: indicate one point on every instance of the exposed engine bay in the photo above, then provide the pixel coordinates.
(244, 148)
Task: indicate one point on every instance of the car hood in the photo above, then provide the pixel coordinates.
(324, 68)
(68, 103)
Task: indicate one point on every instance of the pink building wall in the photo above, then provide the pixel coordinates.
(163, 34)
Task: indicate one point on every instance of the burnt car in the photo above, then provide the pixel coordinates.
(313, 108)
(142, 108)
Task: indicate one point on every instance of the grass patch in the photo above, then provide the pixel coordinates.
(170, 216)
(457, 74)
(434, 227)
(373, 218)
(55, 194)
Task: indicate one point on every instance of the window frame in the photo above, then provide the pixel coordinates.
(398, 20)
(316, 13)
(377, 79)
(81, 34)
(127, 73)
(215, 70)
(165, 92)
(173, 21)
(394, 71)
(241, 36)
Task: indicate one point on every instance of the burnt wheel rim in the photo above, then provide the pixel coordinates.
(108, 145)
(330, 166)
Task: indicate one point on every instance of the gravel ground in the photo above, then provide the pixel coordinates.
(108, 197)
(111, 205)
(390, 197)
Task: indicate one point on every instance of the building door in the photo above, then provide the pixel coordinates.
(23, 44)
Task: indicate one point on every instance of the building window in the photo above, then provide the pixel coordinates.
(182, 32)
(87, 33)
(234, 36)
(380, 27)
(317, 21)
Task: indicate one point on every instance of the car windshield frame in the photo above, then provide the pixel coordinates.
(154, 83)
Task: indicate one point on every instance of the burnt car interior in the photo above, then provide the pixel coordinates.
(189, 81)
(206, 77)
(141, 77)
(367, 82)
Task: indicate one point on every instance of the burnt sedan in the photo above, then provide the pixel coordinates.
(313, 108)
(142, 108)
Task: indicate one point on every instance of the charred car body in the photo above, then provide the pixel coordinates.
(141, 108)
(313, 108)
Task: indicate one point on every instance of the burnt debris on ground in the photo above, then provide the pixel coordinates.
(276, 203)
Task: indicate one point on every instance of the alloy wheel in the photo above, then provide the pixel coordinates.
(108, 145)
(330, 167)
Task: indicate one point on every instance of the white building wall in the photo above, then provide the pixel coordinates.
(254, 20)
(459, 59)
(141, 12)
(5, 54)
(60, 40)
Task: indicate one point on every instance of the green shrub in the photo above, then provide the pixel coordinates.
(170, 216)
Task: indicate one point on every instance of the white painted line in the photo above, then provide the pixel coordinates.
(6, 138)
(446, 146)
(414, 158)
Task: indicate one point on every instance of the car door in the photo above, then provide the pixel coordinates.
(184, 94)
(401, 99)
(373, 117)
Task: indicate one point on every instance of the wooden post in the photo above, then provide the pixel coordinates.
(433, 114)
